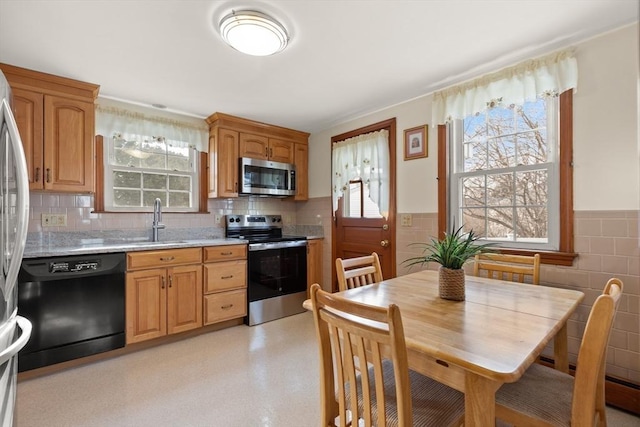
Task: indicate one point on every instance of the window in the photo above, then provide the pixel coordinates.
(504, 174)
(139, 169)
(357, 203)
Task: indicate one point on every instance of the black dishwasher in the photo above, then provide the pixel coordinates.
(76, 305)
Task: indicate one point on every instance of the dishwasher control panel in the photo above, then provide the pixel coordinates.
(73, 266)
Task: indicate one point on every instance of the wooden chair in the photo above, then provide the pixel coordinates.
(508, 267)
(354, 339)
(547, 397)
(355, 272)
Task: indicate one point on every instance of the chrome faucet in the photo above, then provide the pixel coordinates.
(157, 217)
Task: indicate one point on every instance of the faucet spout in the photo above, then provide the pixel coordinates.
(157, 217)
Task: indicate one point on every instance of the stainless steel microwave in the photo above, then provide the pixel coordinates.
(262, 177)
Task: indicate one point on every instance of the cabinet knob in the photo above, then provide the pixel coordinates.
(384, 243)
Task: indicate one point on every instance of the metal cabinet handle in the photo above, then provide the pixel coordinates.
(227, 277)
(170, 280)
(163, 283)
(266, 151)
(226, 253)
(384, 243)
(226, 307)
(270, 152)
(48, 175)
(37, 175)
(168, 258)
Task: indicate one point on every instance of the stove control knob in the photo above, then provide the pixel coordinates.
(279, 219)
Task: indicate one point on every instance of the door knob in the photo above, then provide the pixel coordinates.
(384, 243)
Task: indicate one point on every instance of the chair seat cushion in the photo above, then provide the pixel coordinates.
(543, 393)
(433, 403)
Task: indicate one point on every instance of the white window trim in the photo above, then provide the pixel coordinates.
(109, 168)
(455, 135)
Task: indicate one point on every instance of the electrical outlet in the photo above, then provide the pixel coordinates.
(405, 220)
(54, 220)
(218, 219)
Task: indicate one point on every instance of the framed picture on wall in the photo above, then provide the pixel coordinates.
(415, 142)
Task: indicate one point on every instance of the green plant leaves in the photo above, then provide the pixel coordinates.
(452, 251)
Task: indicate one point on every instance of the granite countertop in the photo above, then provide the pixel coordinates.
(52, 244)
(49, 250)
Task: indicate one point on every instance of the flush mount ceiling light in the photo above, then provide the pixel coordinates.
(253, 33)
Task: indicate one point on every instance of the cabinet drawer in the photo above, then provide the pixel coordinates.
(221, 276)
(163, 258)
(223, 253)
(225, 306)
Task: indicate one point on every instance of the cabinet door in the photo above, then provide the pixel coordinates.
(28, 109)
(184, 298)
(302, 171)
(281, 151)
(314, 262)
(227, 163)
(68, 144)
(254, 146)
(146, 305)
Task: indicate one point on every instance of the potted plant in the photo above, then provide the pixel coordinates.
(451, 253)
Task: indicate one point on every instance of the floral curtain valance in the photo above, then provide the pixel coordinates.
(549, 75)
(111, 121)
(364, 157)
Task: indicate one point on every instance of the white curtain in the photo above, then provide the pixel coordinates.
(133, 125)
(549, 75)
(364, 157)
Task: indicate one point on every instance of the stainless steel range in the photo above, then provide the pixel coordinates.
(277, 266)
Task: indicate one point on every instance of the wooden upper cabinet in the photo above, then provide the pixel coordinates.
(233, 137)
(68, 145)
(28, 109)
(223, 162)
(56, 121)
(254, 146)
(301, 160)
(263, 148)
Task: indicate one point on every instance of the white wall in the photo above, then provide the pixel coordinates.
(605, 138)
(606, 148)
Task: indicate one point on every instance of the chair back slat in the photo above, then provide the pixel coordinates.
(512, 268)
(354, 339)
(590, 367)
(360, 271)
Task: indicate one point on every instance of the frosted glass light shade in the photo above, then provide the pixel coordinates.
(253, 33)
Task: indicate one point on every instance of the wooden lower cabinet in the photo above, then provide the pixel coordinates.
(163, 300)
(314, 262)
(225, 283)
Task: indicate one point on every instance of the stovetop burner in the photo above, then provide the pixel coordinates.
(257, 228)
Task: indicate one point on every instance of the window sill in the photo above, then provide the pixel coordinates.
(546, 257)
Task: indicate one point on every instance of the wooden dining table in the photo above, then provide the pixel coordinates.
(478, 344)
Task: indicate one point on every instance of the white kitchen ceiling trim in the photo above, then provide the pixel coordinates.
(551, 75)
(253, 33)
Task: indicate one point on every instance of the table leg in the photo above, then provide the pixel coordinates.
(479, 401)
(561, 350)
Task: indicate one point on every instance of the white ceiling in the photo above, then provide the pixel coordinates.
(345, 58)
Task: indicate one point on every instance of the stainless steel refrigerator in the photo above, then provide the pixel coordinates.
(14, 208)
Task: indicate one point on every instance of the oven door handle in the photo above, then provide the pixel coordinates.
(276, 245)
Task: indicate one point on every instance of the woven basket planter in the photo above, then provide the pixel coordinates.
(451, 284)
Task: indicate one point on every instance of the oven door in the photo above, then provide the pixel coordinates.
(276, 269)
(277, 280)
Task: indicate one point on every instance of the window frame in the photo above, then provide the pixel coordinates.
(564, 255)
(104, 182)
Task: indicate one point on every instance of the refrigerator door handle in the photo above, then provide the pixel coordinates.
(13, 349)
(22, 208)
